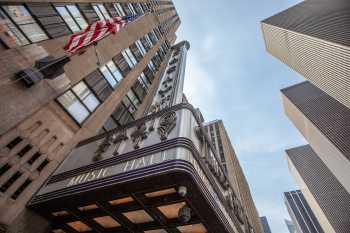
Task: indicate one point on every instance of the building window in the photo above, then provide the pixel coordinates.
(110, 124)
(10, 181)
(79, 102)
(135, 101)
(129, 57)
(111, 73)
(4, 169)
(129, 105)
(12, 29)
(99, 85)
(34, 158)
(148, 39)
(151, 66)
(86, 96)
(71, 15)
(42, 165)
(108, 76)
(132, 9)
(14, 143)
(21, 189)
(101, 11)
(140, 46)
(25, 22)
(119, 9)
(144, 80)
(138, 8)
(24, 150)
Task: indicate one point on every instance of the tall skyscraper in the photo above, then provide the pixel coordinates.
(303, 218)
(312, 37)
(327, 198)
(291, 226)
(265, 224)
(63, 100)
(325, 124)
(222, 143)
(160, 173)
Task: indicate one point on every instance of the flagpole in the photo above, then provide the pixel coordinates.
(98, 63)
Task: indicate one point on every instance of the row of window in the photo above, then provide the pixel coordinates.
(126, 110)
(82, 100)
(13, 178)
(27, 24)
(216, 139)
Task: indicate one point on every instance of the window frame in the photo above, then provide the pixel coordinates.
(81, 102)
(140, 46)
(17, 26)
(118, 7)
(20, 42)
(132, 9)
(126, 55)
(99, 11)
(65, 6)
(111, 73)
(144, 80)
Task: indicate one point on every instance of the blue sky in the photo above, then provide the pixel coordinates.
(230, 76)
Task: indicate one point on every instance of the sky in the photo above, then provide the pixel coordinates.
(230, 76)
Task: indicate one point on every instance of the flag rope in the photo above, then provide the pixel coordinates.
(134, 17)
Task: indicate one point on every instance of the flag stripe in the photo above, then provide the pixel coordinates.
(97, 31)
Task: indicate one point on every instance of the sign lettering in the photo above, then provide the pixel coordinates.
(90, 176)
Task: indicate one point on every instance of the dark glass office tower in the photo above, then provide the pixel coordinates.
(265, 224)
(301, 213)
(313, 38)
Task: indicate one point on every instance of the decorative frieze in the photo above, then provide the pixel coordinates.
(107, 142)
(139, 135)
(167, 123)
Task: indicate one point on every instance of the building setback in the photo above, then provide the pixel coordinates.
(327, 198)
(80, 96)
(265, 224)
(301, 213)
(325, 124)
(228, 158)
(313, 38)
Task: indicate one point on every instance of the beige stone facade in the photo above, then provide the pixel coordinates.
(217, 132)
(36, 132)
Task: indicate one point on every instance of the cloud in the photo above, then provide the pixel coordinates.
(208, 43)
(199, 85)
(266, 142)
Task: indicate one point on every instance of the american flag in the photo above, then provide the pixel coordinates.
(96, 31)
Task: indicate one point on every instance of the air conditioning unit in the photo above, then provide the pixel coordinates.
(45, 68)
(30, 76)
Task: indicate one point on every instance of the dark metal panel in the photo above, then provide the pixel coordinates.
(49, 19)
(111, 9)
(99, 85)
(88, 12)
(136, 52)
(122, 64)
